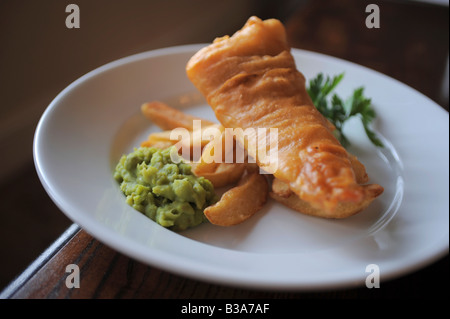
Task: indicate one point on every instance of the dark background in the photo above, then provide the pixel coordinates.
(39, 57)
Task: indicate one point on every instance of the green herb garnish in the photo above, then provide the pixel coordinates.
(338, 111)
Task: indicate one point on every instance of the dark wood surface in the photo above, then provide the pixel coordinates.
(411, 46)
(107, 274)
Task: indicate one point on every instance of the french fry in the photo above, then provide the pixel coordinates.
(241, 202)
(157, 144)
(168, 118)
(198, 137)
(207, 162)
(215, 169)
(280, 188)
(224, 174)
(163, 136)
(201, 168)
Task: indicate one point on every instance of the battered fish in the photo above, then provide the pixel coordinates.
(251, 81)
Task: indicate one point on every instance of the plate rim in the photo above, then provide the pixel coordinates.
(124, 248)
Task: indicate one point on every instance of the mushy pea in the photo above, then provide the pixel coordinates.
(168, 193)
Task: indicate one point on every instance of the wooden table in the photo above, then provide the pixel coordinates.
(105, 273)
(411, 45)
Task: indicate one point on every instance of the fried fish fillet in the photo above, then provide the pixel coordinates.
(251, 81)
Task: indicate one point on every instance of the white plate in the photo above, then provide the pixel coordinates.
(83, 132)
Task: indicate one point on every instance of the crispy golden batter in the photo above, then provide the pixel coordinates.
(282, 194)
(251, 81)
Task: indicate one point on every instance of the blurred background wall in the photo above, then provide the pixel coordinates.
(39, 57)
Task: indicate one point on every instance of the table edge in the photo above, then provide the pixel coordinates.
(39, 262)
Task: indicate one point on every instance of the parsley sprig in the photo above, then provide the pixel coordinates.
(338, 111)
